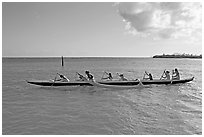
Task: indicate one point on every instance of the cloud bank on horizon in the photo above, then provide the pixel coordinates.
(163, 20)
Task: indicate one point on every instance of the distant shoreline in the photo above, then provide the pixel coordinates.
(179, 56)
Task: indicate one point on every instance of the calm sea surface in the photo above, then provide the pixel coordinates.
(163, 109)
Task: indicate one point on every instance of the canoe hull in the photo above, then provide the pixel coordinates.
(50, 83)
(146, 82)
(119, 83)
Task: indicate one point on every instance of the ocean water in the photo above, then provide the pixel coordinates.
(159, 110)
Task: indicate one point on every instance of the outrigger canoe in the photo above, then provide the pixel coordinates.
(118, 83)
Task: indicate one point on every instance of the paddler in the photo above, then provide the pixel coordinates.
(149, 76)
(122, 78)
(89, 75)
(62, 78)
(81, 77)
(110, 77)
(175, 74)
(166, 76)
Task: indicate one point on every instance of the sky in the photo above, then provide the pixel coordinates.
(105, 29)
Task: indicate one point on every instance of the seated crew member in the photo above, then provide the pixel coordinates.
(89, 75)
(149, 76)
(175, 74)
(122, 78)
(62, 78)
(109, 76)
(166, 76)
(81, 77)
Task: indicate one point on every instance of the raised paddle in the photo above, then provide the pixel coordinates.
(103, 74)
(162, 74)
(145, 74)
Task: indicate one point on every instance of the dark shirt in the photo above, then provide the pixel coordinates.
(150, 77)
(90, 76)
(110, 76)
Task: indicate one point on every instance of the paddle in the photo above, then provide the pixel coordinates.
(119, 74)
(54, 80)
(107, 73)
(103, 74)
(145, 74)
(162, 74)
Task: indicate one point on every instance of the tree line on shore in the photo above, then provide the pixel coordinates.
(184, 55)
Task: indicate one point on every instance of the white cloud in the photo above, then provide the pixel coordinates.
(162, 20)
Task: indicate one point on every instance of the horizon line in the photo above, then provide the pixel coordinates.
(77, 56)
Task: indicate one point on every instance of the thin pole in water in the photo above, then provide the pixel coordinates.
(62, 62)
